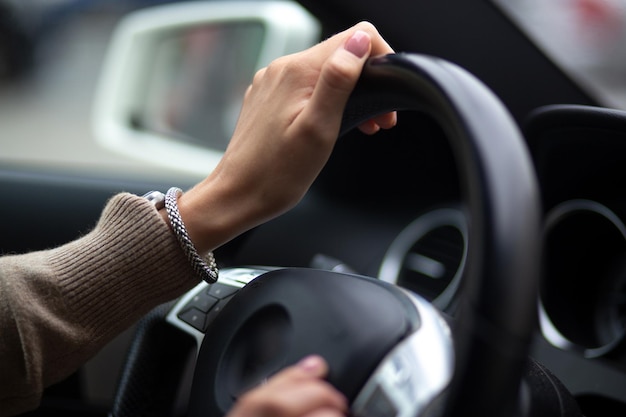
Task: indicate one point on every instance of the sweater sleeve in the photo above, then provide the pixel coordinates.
(59, 307)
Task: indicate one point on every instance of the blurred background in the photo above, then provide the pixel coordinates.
(51, 53)
(587, 38)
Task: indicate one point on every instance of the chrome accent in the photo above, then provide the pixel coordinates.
(157, 198)
(415, 373)
(550, 331)
(394, 260)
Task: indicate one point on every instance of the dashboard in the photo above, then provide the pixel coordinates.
(390, 206)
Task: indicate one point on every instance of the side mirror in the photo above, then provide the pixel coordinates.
(175, 76)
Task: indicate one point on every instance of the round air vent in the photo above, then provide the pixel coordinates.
(582, 305)
(428, 256)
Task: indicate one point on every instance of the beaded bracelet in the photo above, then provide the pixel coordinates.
(205, 268)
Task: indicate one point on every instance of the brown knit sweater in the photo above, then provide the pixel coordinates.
(59, 307)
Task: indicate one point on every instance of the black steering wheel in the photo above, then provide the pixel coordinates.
(357, 322)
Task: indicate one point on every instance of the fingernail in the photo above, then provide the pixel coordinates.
(359, 43)
(311, 363)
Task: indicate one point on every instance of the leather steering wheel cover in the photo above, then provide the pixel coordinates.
(497, 314)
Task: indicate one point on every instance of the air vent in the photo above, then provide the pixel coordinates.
(584, 285)
(429, 255)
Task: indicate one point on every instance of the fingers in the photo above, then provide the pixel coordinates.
(339, 74)
(337, 78)
(378, 44)
(384, 121)
(297, 391)
(314, 366)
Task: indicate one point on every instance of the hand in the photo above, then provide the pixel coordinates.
(286, 131)
(297, 391)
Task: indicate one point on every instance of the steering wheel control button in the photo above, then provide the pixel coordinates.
(199, 306)
(194, 317)
(202, 302)
(215, 311)
(200, 311)
(220, 291)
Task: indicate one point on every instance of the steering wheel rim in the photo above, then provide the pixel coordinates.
(497, 314)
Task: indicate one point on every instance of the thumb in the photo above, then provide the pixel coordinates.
(337, 79)
(313, 365)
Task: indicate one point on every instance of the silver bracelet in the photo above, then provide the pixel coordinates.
(205, 268)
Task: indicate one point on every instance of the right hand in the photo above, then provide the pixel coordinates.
(296, 391)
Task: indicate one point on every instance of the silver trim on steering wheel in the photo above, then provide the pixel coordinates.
(415, 373)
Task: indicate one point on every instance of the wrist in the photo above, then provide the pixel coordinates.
(203, 265)
(214, 214)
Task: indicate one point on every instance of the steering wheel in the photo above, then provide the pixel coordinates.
(373, 333)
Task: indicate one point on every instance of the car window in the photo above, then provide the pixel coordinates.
(45, 108)
(47, 102)
(586, 38)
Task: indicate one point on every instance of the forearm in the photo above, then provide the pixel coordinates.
(59, 307)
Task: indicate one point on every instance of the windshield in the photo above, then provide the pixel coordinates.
(586, 38)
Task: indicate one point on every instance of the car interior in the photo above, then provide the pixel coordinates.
(485, 233)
